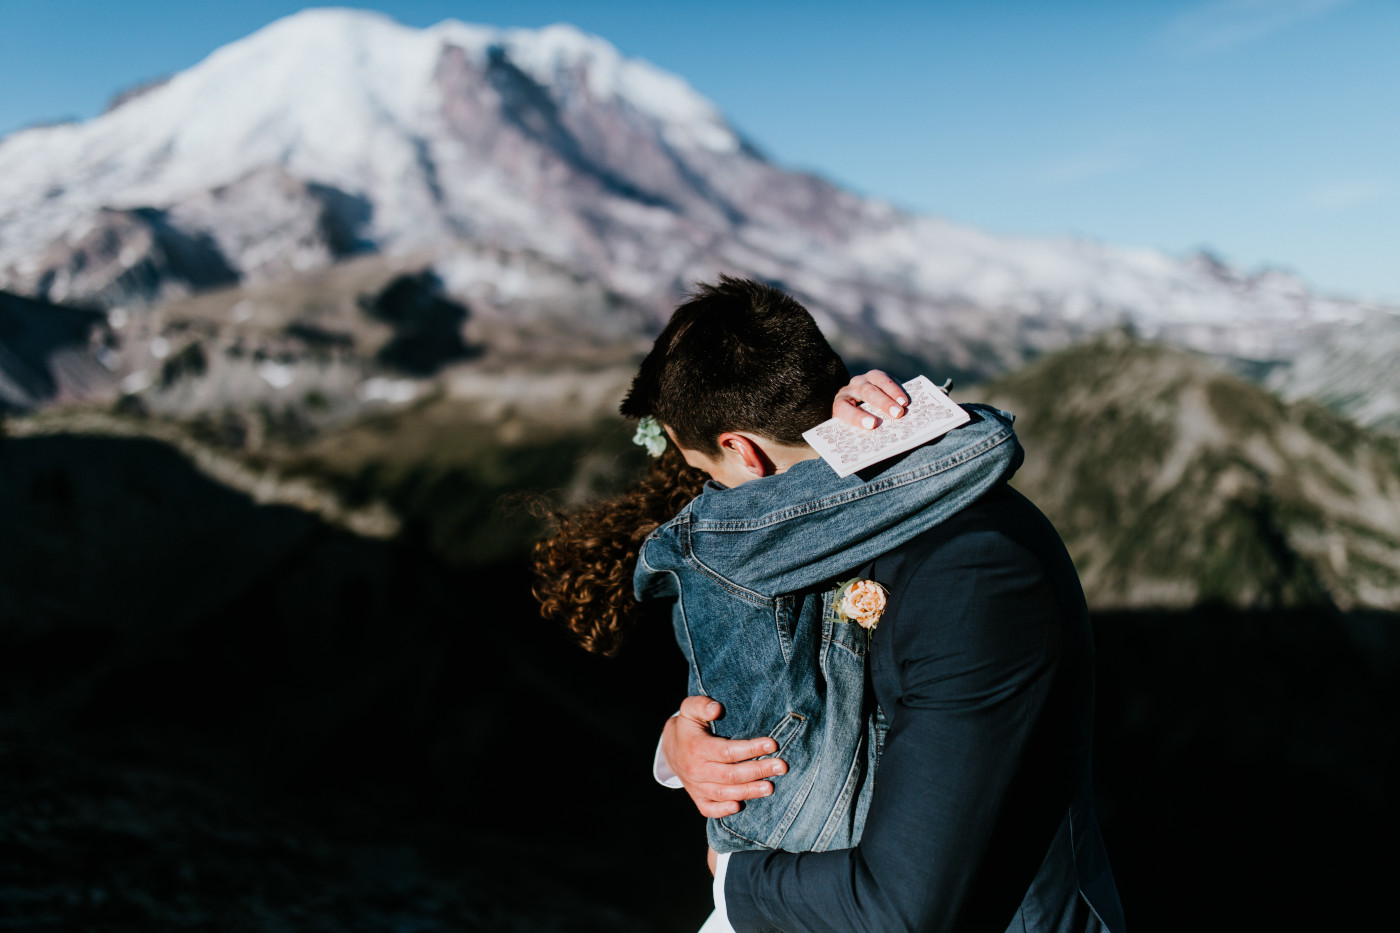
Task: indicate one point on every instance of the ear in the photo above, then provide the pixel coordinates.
(753, 457)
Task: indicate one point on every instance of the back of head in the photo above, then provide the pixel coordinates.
(737, 356)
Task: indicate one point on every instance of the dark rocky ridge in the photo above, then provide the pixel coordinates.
(224, 716)
(49, 353)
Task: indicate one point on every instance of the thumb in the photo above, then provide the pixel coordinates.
(701, 709)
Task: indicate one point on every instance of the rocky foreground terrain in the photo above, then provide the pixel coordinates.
(222, 715)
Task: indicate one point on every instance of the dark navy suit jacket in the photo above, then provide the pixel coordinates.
(982, 817)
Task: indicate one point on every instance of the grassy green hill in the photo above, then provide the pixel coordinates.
(1175, 483)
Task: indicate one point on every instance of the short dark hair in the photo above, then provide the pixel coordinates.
(737, 356)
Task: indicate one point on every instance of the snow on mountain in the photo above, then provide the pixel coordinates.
(344, 98)
(335, 132)
(1351, 368)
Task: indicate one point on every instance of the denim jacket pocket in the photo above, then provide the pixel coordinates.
(761, 823)
(785, 731)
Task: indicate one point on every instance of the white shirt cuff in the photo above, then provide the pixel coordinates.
(721, 869)
(661, 769)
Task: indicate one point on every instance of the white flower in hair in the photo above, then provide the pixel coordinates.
(650, 435)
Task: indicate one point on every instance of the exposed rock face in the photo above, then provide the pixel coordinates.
(265, 225)
(371, 331)
(427, 325)
(276, 225)
(1175, 483)
(127, 95)
(49, 353)
(119, 256)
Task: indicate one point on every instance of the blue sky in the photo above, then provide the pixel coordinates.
(1265, 130)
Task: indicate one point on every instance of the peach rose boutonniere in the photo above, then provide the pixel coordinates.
(862, 602)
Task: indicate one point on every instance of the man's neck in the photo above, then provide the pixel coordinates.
(784, 456)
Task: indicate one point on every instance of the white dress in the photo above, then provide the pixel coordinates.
(719, 920)
(717, 924)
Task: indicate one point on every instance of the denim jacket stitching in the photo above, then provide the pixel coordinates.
(790, 814)
(685, 620)
(831, 619)
(684, 530)
(837, 643)
(799, 800)
(690, 525)
(851, 495)
(784, 606)
(843, 800)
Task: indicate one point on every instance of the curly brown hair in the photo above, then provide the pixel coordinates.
(738, 355)
(583, 570)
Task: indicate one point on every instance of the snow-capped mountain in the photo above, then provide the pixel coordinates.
(335, 132)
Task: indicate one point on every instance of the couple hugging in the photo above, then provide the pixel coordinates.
(922, 766)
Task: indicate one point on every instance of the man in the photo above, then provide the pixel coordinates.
(751, 565)
(982, 814)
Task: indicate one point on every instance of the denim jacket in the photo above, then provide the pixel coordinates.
(753, 570)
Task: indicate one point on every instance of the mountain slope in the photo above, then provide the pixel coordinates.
(337, 132)
(1351, 368)
(1175, 483)
(49, 353)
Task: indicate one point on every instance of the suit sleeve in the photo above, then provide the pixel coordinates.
(976, 655)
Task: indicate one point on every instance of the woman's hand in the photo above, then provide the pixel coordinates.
(877, 390)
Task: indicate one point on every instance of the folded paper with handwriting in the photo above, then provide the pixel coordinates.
(931, 413)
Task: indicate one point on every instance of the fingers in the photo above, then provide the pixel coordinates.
(696, 755)
(887, 386)
(737, 773)
(751, 791)
(847, 408)
(695, 743)
(717, 773)
(718, 800)
(735, 750)
(715, 809)
(880, 392)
